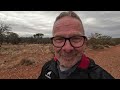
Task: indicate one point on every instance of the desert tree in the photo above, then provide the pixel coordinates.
(4, 28)
(38, 37)
(12, 38)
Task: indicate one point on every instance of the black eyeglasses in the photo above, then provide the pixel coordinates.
(75, 41)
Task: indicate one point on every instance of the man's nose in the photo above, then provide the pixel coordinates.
(67, 47)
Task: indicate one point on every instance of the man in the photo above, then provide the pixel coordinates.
(69, 42)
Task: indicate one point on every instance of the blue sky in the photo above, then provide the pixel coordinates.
(27, 23)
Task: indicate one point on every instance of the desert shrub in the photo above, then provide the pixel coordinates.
(100, 41)
(98, 47)
(27, 62)
(107, 46)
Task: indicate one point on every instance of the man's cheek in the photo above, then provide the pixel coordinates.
(80, 50)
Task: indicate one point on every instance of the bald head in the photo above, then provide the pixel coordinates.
(68, 19)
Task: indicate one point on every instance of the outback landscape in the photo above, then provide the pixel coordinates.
(25, 61)
(25, 41)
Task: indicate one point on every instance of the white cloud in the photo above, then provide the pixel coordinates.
(90, 21)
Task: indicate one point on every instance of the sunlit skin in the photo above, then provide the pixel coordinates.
(68, 27)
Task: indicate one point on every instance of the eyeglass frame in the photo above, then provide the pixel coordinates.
(85, 38)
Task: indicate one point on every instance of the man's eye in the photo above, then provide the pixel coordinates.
(59, 39)
(77, 39)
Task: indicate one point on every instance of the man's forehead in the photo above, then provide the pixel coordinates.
(68, 30)
(67, 21)
(68, 34)
(68, 24)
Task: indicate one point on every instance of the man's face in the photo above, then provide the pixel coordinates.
(68, 27)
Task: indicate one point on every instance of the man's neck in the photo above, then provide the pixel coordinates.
(62, 68)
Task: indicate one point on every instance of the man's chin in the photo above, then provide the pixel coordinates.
(67, 59)
(66, 62)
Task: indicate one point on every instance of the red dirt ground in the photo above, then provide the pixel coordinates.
(10, 67)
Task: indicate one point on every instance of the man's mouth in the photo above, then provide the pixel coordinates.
(67, 57)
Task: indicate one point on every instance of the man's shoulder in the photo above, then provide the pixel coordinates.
(48, 63)
(93, 66)
(97, 71)
(47, 68)
(92, 63)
